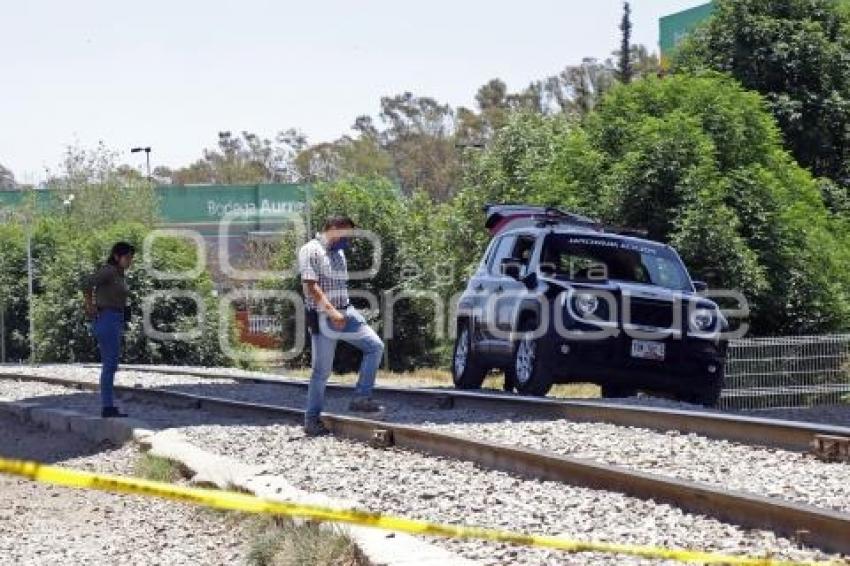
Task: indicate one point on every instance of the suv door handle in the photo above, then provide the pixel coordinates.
(499, 289)
(479, 287)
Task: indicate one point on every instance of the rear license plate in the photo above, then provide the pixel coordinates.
(647, 350)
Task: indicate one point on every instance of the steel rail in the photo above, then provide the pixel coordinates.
(821, 528)
(789, 435)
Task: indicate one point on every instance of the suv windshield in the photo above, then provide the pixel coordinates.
(596, 258)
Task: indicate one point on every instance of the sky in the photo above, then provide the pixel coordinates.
(171, 74)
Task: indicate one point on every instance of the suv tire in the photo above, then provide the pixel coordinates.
(530, 369)
(707, 393)
(467, 371)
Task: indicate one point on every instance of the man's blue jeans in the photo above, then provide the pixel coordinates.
(108, 329)
(357, 333)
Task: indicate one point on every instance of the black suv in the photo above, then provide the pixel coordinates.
(557, 298)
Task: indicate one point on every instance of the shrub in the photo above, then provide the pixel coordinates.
(61, 331)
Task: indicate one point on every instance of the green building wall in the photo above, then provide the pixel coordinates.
(675, 27)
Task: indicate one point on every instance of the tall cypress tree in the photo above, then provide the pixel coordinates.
(625, 70)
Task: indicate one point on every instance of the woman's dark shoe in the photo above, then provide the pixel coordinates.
(112, 413)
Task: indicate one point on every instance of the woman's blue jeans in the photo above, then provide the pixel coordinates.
(108, 329)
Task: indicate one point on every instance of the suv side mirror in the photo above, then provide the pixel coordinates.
(511, 268)
(700, 286)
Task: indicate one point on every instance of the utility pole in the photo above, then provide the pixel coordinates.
(30, 294)
(147, 151)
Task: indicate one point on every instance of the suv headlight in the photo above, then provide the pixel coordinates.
(703, 320)
(586, 304)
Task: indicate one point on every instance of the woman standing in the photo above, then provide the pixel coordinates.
(105, 293)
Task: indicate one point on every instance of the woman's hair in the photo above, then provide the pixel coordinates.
(120, 249)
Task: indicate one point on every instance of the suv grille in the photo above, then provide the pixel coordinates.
(644, 312)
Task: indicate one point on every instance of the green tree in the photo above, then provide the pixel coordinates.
(577, 89)
(797, 54)
(419, 136)
(709, 155)
(7, 179)
(65, 256)
(696, 162)
(245, 159)
(350, 156)
(93, 191)
(98, 203)
(375, 205)
(13, 290)
(495, 105)
(625, 70)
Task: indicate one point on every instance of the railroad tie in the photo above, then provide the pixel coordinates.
(381, 438)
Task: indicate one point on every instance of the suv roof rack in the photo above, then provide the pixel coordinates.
(500, 215)
(633, 232)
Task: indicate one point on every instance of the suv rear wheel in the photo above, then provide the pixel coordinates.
(467, 371)
(530, 372)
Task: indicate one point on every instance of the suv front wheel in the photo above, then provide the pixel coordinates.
(530, 373)
(467, 371)
(706, 394)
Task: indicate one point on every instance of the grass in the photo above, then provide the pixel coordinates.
(159, 469)
(278, 541)
(273, 541)
(441, 378)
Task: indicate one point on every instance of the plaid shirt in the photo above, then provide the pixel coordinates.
(317, 263)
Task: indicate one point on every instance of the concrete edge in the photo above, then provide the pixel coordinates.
(91, 427)
(382, 548)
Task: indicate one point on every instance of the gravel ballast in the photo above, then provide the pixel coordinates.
(763, 471)
(436, 489)
(838, 415)
(45, 525)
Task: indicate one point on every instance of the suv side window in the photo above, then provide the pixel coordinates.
(489, 253)
(523, 250)
(502, 250)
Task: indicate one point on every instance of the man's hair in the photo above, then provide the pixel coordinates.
(120, 249)
(338, 221)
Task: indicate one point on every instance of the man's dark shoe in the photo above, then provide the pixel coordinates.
(315, 428)
(112, 413)
(365, 405)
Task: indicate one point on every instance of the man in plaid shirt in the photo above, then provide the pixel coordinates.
(330, 317)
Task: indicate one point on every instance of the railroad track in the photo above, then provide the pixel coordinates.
(824, 529)
(788, 435)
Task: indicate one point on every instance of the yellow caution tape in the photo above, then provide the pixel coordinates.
(231, 501)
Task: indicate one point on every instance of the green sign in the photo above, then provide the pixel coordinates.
(251, 207)
(10, 200)
(203, 207)
(675, 27)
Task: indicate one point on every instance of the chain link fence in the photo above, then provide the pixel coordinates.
(799, 371)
